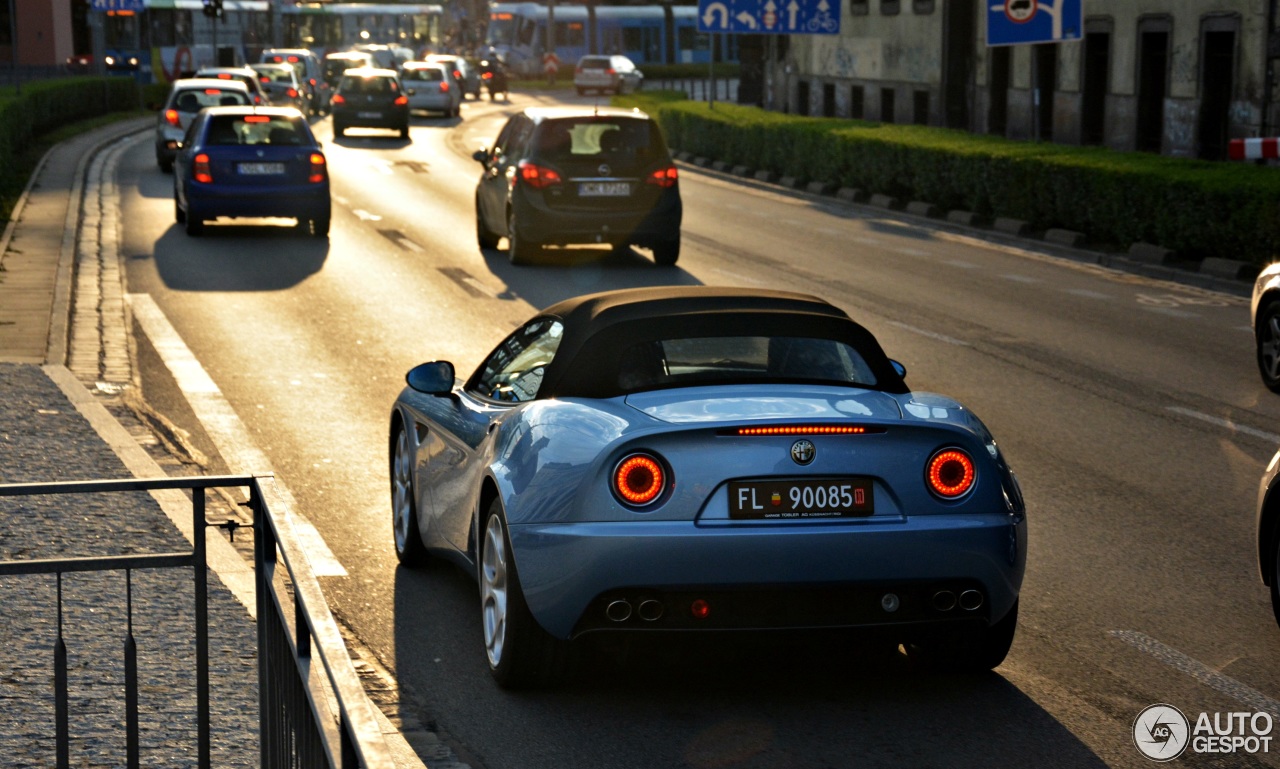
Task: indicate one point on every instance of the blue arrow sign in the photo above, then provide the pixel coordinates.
(764, 17)
(117, 5)
(1015, 22)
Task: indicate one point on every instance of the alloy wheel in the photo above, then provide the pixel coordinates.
(493, 590)
(1269, 346)
(402, 492)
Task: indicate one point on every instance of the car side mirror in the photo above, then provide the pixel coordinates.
(409, 91)
(481, 155)
(898, 367)
(434, 378)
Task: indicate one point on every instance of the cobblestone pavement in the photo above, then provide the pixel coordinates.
(44, 438)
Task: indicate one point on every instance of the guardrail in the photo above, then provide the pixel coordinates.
(310, 715)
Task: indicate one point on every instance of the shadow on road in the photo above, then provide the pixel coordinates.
(234, 256)
(561, 273)
(711, 701)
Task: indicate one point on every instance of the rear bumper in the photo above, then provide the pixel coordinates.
(431, 103)
(770, 577)
(166, 141)
(301, 202)
(540, 223)
(346, 117)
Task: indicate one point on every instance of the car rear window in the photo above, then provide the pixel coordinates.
(256, 129)
(196, 99)
(424, 75)
(597, 136)
(277, 75)
(594, 62)
(372, 86)
(741, 360)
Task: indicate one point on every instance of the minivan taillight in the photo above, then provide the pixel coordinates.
(664, 177)
(200, 169)
(536, 176)
(318, 168)
(401, 100)
(337, 99)
(171, 115)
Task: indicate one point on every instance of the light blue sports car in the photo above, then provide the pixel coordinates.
(699, 458)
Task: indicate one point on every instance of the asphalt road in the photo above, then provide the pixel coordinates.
(1130, 409)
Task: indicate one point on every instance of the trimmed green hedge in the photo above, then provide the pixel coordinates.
(1197, 208)
(49, 104)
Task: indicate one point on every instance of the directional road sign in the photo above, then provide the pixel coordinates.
(1015, 22)
(117, 5)
(763, 17)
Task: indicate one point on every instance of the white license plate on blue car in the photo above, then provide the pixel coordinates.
(603, 189)
(806, 498)
(260, 169)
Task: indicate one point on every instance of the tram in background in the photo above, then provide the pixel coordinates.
(169, 38)
(646, 34)
(329, 27)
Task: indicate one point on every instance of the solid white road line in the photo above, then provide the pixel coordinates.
(1228, 424)
(1199, 671)
(223, 425)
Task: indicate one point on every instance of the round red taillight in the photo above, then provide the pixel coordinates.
(639, 479)
(950, 473)
(700, 609)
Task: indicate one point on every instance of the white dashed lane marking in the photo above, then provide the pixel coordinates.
(1201, 672)
(1227, 424)
(930, 334)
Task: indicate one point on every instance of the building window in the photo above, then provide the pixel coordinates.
(859, 7)
(886, 105)
(856, 95)
(802, 97)
(889, 7)
(828, 99)
(921, 105)
(922, 7)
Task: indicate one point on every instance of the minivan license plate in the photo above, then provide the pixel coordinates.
(261, 169)
(801, 499)
(369, 115)
(603, 189)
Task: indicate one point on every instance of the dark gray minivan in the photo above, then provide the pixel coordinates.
(561, 175)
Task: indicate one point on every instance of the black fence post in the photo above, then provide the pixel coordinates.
(132, 755)
(61, 729)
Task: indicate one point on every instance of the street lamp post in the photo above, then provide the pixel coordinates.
(13, 43)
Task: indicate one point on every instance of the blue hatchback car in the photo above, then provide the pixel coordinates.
(702, 459)
(251, 162)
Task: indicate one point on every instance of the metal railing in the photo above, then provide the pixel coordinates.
(723, 88)
(310, 715)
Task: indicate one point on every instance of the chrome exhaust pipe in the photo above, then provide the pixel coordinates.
(944, 600)
(970, 600)
(618, 611)
(650, 610)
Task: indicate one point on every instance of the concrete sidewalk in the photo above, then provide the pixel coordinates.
(64, 365)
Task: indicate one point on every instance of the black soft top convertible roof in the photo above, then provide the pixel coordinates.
(600, 328)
